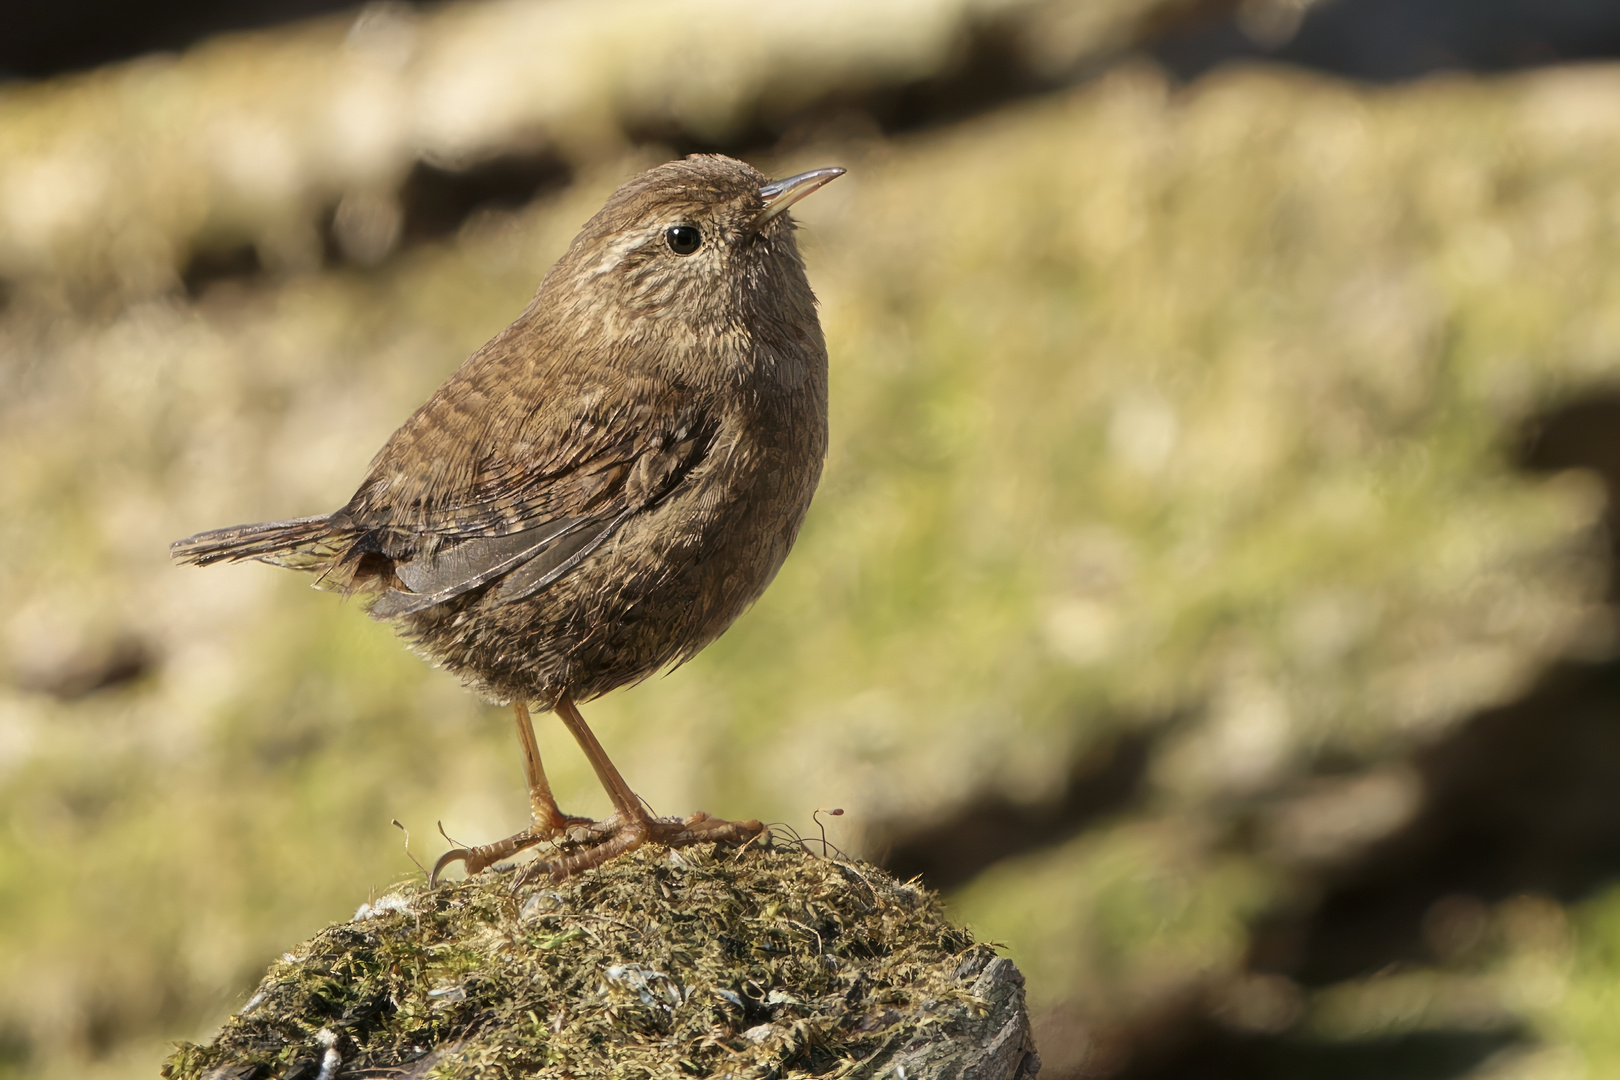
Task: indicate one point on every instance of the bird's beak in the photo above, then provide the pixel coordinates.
(781, 194)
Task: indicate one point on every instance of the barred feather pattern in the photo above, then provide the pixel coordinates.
(309, 543)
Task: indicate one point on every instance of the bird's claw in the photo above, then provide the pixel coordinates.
(485, 855)
(595, 842)
(454, 855)
(615, 837)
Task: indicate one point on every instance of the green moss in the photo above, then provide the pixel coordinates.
(662, 963)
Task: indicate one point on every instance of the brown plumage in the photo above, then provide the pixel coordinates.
(607, 484)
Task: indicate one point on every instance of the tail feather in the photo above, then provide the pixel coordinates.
(301, 544)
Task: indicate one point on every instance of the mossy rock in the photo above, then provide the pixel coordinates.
(698, 962)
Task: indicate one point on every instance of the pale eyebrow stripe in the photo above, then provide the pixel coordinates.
(616, 253)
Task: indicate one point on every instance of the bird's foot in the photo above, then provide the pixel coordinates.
(482, 856)
(607, 839)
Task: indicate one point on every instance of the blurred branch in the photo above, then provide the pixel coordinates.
(111, 180)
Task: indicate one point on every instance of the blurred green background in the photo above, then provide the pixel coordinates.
(1209, 587)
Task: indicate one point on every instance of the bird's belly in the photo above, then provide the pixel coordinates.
(667, 584)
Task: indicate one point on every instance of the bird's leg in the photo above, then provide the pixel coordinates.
(631, 825)
(543, 809)
(625, 801)
(547, 819)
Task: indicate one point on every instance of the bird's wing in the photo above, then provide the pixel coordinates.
(531, 506)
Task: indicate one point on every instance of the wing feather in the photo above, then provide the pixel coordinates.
(528, 517)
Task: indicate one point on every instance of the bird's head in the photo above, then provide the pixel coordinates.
(694, 255)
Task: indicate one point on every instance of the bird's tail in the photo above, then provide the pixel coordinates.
(301, 544)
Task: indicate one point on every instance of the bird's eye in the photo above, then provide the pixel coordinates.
(683, 239)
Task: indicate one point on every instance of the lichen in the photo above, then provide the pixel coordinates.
(698, 962)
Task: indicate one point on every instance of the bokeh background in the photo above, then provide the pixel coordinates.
(1210, 587)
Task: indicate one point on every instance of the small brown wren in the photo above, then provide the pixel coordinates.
(604, 487)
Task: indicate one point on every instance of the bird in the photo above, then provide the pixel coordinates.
(599, 491)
